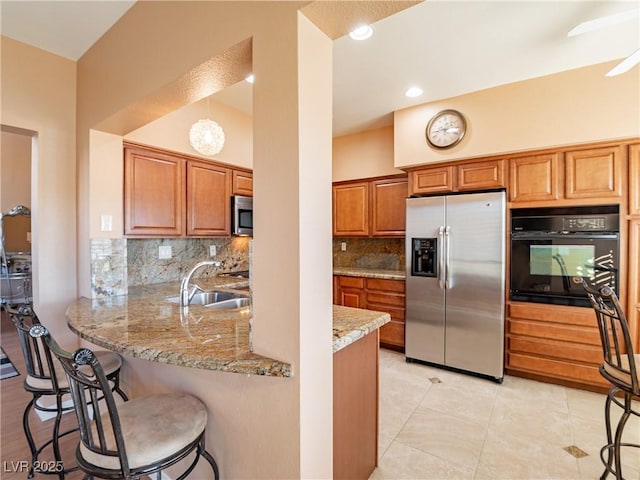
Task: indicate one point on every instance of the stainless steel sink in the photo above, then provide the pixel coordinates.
(229, 304)
(216, 299)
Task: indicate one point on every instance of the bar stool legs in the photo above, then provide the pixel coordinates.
(611, 453)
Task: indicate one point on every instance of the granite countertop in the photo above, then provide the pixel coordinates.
(144, 324)
(370, 273)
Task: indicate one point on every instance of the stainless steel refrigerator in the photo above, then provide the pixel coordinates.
(455, 287)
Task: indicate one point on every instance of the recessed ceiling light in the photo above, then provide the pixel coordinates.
(250, 78)
(413, 92)
(362, 32)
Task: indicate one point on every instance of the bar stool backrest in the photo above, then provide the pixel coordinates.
(38, 360)
(92, 397)
(619, 365)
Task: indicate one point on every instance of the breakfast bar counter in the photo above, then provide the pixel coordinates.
(148, 323)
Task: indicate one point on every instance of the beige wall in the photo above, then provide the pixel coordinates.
(15, 170)
(364, 154)
(107, 167)
(38, 94)
(172, 132)
(258, 427)
(577, 106)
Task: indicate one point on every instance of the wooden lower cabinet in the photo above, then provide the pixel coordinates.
(554, 343)
(350, 292)
(355, 409)
(382, 295)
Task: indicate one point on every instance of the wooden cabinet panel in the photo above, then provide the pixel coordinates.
(634, 179)
(547, 367)
(552, 313)
(560, 350)
(351, 210)
(379, 294)
(350, 291)
(557, 343)
(353, 282)
(355, 409)
(386, 285)
(351, 298)
(392, 334)
(370, 208)
(556, 331)
(388, 201)
(633, 315)
(535, 178)
(169, 194)
(242, 183)
(480, 175)
(384, 298)
(208, 206)
(153, 193)
(595, 172)
(469, 176)
(431, 180)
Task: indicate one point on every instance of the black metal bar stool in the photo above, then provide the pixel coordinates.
(136, 438)
(46, 378)
(620, 368)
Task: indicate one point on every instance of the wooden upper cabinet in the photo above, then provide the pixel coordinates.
(594, 172)
(634, 179)
(431, 180)
(208, 205)
(167, 194)
(535, 178)
(388, 203)
(242, 183)
(463, 177)
(351, 209)
(153, 193)
(480, 175)
(368, 208)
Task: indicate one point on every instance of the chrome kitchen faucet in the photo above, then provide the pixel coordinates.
(186, 294)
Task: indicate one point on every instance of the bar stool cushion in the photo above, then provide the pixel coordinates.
(623, 377)
(153, 428)
(110, 361)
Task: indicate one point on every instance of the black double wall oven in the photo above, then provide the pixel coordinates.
(550, 246)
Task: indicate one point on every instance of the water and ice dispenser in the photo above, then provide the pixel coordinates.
(424, 254)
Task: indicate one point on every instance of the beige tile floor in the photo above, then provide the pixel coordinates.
(437, 424)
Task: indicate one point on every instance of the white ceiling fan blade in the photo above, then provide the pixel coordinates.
(625, 65)
(601, 22)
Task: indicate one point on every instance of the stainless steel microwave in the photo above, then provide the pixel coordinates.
(241, 215)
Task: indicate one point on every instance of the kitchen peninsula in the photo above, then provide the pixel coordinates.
(145, 324)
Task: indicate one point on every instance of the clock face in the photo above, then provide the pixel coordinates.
(446, 129)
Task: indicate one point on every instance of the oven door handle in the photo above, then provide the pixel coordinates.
(542, 236)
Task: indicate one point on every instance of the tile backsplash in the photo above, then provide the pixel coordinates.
(117, 264)
(376, 253)
(144, 267)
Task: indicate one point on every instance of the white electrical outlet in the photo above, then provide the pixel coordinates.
(164, 252)
(106, 223)
(212, 250)
(343, 246)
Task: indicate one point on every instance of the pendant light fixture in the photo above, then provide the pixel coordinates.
(206, 136)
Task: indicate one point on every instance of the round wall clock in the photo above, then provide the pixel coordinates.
(446, 129)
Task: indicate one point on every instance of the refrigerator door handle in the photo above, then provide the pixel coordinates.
(441, 246)
(447, 269)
